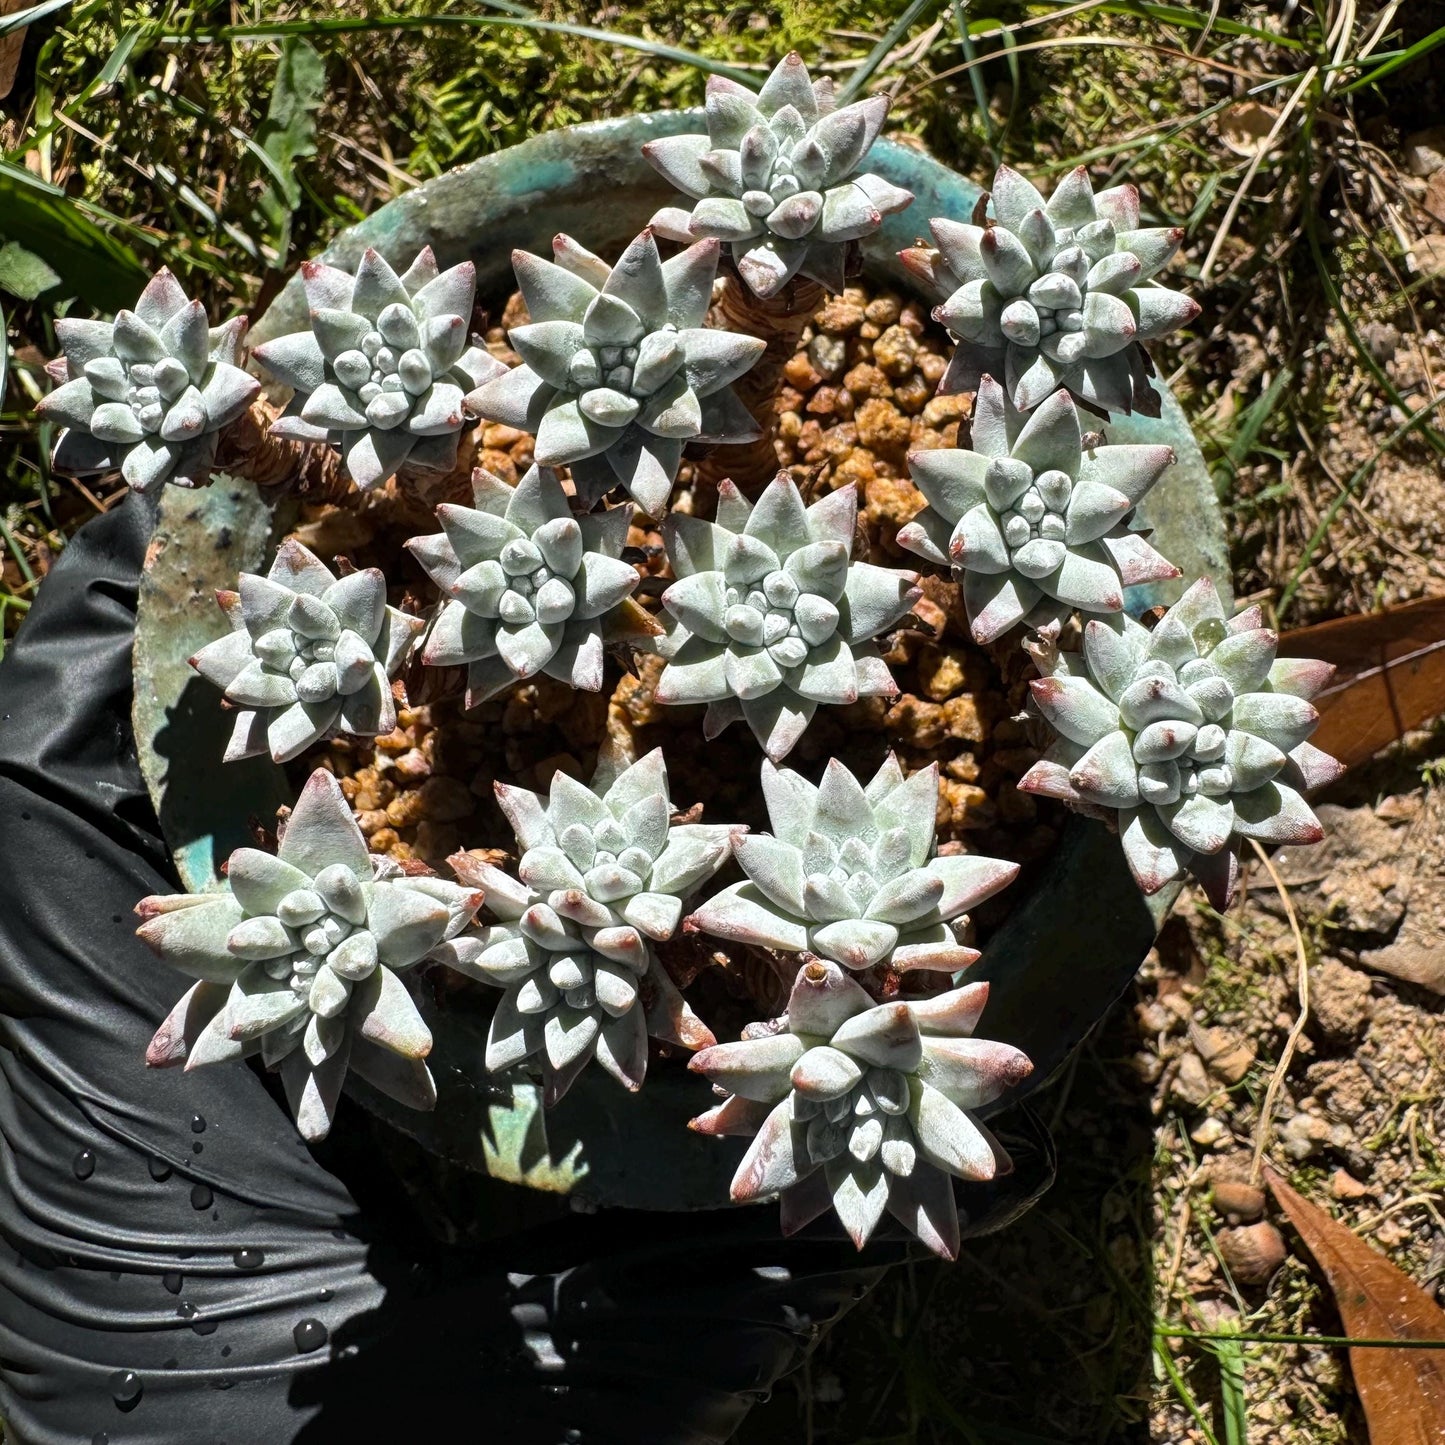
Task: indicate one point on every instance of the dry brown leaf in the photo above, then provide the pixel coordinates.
(1389, 678)
(1402, 1391)
(11, 45)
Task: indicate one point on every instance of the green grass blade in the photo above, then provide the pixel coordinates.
(1263, 1337)
(1230, 1354)
(19, 19)
(1182, 1390)
(1393, 62)
(865, 68)
(1337, 304)
(975, 79)
(1251, 424)
(91, 263)
(1198, 19)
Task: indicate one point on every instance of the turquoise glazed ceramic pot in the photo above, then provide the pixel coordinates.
(1068, 948)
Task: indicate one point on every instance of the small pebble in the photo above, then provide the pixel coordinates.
(1252, 1251)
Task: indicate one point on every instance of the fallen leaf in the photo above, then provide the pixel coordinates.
(1389, 676)
(11, 44)
(1402, 1392)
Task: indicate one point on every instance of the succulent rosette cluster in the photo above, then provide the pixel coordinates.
(1194, 734)
(850, 873)
(147, 394)
(770, 616)
(618, 369)
(301, 959)
(308, 655)
(382, 372)
(602, 877)
(1056, 293)
(777, 176)
(1033, 524)
(531, 588)
(863, 1107)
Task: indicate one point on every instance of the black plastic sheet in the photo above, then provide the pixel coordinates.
(178, 1268)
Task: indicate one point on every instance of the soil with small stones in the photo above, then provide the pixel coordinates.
(859, 396)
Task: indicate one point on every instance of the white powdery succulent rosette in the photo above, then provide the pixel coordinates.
(619, 370)
(382, 372)
(770, 616)
(530, 587)
(1056, 293)
(863, 1107)
(1032, 524)
(779, 177)
(602, 878)
(850, 874)
(148, 393)
(301, 960)
(1194, 735)
(308, 655)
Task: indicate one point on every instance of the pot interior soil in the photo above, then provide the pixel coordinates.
(858, 394)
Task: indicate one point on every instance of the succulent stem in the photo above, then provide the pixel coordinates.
(779, 321)
(248, 449)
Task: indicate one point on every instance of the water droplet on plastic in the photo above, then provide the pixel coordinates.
(186, 1310)
(83, 1165)
(174, 1281)
(225, 1350)
(204, 1327)
(171, 1364)
(573, 1436)
(197, 1147)
(201, 1196)
(249, 1258)
(160, 1170)
(198, 1124)
(309, 1335)
(125, 1387)
(323, 1294)
(555, 1390)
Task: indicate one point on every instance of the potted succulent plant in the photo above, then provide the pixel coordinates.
(527, 841)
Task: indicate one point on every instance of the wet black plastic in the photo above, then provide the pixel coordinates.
(177, 1266)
